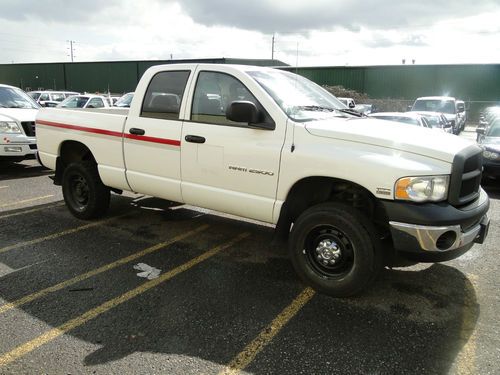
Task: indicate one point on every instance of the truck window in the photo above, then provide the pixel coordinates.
(213, 94)
(164, 94)
(95, 103)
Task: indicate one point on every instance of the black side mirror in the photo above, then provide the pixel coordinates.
(352, 105)
(247, 112)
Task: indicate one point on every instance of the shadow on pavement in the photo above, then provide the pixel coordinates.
(413, 320)
(13, 171)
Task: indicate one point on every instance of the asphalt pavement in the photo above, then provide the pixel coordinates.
(75, 299)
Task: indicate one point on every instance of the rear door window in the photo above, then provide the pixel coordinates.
(164, 95)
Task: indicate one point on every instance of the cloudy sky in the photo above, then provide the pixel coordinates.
(307, 32)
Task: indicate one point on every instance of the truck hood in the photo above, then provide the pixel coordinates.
(401, 137)
(19, 114)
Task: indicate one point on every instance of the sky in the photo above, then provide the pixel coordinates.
(306, 32)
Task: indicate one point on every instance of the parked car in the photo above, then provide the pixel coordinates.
(85, 101)
(488, 115)
(17, 124)
(489, 140)
(290, 154)
(437, 120)
(50, 98)
(349, 102)
(365, 109)
(444, 104)
(125, 100)
(403, 117)
(461, 113)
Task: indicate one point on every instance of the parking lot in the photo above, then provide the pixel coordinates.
(226, 300)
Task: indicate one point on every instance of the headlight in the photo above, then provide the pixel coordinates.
(9, 127)
(490, 155)
(422, 188)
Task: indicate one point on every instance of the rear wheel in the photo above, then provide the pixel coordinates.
(84, 193)
(335, 250)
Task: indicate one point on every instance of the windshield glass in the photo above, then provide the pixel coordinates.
(434, 105)
(125, 100)
(15, 98)
(434, 121)
(74, 102)
(299, 98)
(494, 130)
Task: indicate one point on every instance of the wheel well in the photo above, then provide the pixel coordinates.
(70, 152)
(314, 190)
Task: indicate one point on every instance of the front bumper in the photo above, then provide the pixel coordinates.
(12, 149)
(437, 232)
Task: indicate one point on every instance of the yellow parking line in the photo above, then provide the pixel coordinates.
(26, 201)
(248, 354)
(33, 210)
(466, 361)
(57, 235)
(97, 271)
(26, 348)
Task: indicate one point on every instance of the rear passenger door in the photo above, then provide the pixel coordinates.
(152, 139)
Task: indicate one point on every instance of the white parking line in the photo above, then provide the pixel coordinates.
(26, 201)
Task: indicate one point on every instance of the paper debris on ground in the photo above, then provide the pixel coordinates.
(147, 271)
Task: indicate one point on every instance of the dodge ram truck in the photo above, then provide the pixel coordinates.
(350, 194)
(17, 125)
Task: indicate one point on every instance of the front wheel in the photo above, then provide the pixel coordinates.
(335, 250)
(84, 193)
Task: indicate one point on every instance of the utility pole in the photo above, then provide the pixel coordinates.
(272, 48)
(71, 42)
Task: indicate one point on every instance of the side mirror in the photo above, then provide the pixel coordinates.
(247, 112)
(352, 105)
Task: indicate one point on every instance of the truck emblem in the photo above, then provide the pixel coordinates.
(255, 171)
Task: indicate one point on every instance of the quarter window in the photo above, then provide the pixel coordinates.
(164, 94)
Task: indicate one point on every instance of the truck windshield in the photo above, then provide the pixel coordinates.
(14, 98)
(435, 105)
(299, 98)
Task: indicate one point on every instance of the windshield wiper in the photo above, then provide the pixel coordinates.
(351, 112)
(315, 108)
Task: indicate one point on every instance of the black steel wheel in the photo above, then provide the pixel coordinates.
(335, 249)
(84, 193)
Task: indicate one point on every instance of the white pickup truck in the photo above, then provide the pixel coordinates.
(348, 192)
(17, 125)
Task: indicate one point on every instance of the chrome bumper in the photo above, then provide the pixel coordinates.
(444, 238)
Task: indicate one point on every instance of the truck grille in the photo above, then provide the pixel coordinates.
(29, 128)
(466, 176)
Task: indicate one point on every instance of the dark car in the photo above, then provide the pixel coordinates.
(489, 140)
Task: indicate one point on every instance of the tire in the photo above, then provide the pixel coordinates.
(335, 250)
(84, 193)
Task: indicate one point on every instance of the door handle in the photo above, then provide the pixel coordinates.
(137, 131)
(194, 139)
